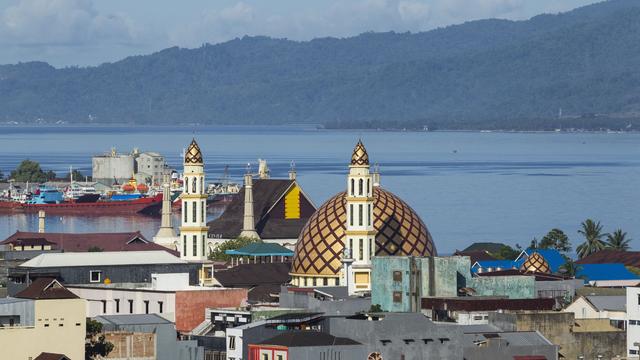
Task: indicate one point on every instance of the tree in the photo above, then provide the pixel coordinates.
(507, 253)
(77, 176)
(375, 308)
(570, 269)
(556, 239)
(95, 346)
(30, 171)
(618, 240)
(592, 233)
(233, 244)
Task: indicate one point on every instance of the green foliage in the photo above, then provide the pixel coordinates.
(30, 171)
(556, 239)
(233, 244)
(95, 249)
(592, 233)
(570, 269)
(507, 253)
(618, 240)
(95, 346)
(375, 308)
(491, 74)
(77, 176)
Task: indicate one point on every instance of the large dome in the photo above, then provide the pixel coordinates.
(400, 231)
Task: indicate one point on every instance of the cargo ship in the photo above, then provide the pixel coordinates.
(52, 202)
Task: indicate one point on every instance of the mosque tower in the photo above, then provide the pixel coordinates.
(360, 235)
(193, 232)
(166, 235)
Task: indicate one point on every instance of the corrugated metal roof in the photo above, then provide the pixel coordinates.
(102, 258)
(133, 319)
(515, 338)
(592, 272)
(615, 303)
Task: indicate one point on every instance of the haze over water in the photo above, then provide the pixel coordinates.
(466, 186)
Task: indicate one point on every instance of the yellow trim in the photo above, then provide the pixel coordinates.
(359, 232)
(357, 199)
(292, 204)
(194, 229)
(193, 196)
(310, 275)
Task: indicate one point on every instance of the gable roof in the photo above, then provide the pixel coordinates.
(552, 256)
(594, 272)
(102, 258)
(485, 246)
(82, 242)
(51, 356)
(608, 256)
(266, 194)
(249, 275)
(307, 338)
(612, 303)
(35, 241)
(45, 289)
(259, 248)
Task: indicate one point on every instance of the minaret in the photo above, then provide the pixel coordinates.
(166, 235)
(360, 233)
(248, 223)
(193, 232)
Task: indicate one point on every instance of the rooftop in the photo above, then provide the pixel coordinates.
(261, 249)
(599, 271)
(46, 289)
(141, 319)
(51, 356)
(514, 338)
(307, 338)
(614, 303)
(254, 274)
(102, 259)
(607, 256)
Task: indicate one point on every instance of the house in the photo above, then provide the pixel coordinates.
(101, 267)
(279, 212)
(45, 320)
(146, 336)
(607, 275)
(633, 321)
(51, 356)
(260, 252)
(306, 345)
(613, 308)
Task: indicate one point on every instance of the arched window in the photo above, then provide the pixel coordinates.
(193, 185)
(185, 210)
(352, 190)
(204, 210)
(351, 214)
(368, 188)
(195, 212)
(202, 185)
(360, 185)
(186, 184)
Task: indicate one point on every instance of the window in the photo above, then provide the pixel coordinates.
(397, 296)
(186, 184)
(314, 282)
(184, 245)
(204, 210)
(195, 245)
(46, 325)
(361, 249)
(193, 185)
(368, 189)
(117, 305)
(160, 306)
(195, 212)
(279, 357)
(204, 246)
(265, 356)
(130, 306)
(325, 281)
(371, 248)
(351, 214)
(633, 322)
(360, 214)
(305, 282)
(638, 299)
(184, 208)
(351, 247)
(202, 185)
(104, 306)
(337, 281)
(360, 187)
(146, 306)
(232, 342)
(353, 187)
(397, 276)
(94, 276)
(369, 215)
(12, 322)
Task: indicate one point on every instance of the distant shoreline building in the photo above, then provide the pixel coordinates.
(114, 167)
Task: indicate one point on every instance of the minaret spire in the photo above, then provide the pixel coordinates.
(193, 232)
(248, 224)
(166, 235)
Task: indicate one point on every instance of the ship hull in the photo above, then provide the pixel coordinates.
(85, 208)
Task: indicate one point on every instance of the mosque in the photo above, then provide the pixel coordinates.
(336, 245)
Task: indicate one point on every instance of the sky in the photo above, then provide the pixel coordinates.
(91, 32)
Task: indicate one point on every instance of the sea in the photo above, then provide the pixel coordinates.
(466, 186)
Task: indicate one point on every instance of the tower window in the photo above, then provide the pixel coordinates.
(351, 247)
(195, 212)
(353, 191)
(186, 184)
(360, 214)
(185, 210)
(195, 245)
(184, 245)
(204, 210)
(202, 185)
(360, 187)
(361, 249)
(130, 306)
(369, 215)
(203, 246)
(160, 307)
(117, 305)
(351, 214)
(368, 188)
(193, 185)
(146, 306)
(371, 248)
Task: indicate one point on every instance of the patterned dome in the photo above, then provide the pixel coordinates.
(536, 263)
(359, 156)
(193, 154)
(321, 242)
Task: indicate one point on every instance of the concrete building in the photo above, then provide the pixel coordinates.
(112, 167)
(613, 308)
(488, 343)
(633, 322)
(306, 345)
(169, 296)
(43, 318)
(117, 267)
(146, 337)
(150, 167)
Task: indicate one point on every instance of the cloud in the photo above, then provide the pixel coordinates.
(62, 23)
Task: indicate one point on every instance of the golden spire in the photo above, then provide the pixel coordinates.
(193, 154)
(360, 156)
(536, 263)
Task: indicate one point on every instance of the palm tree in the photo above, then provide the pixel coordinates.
(592, 232)
(570, 269)
(618, 240)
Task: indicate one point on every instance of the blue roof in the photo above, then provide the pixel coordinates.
(261, 249)
(593, 272)
(553, 257)
(503, 264)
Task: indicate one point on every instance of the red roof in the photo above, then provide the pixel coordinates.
(39, 241)
(628, 258)
(82, 242)
(46, 289)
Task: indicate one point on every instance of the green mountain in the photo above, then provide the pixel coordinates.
(481, 74)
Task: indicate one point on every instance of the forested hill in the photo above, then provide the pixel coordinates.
(481, 74)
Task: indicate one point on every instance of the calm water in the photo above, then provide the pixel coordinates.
(467, 187)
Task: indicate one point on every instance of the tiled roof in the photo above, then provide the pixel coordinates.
(266, 193)
(45, 289)
(249, 275)
(307, 338)
(607, 256)
(595, 272)
(82, 242)
(51, 356)
(28, 241)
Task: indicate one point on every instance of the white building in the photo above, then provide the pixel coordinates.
(633, 322)
(600, 307)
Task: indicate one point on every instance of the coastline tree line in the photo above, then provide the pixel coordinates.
(31, 171)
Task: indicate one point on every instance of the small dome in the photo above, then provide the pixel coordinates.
(400, 232)
(193, 154)
(359, 156)
(536, 263)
